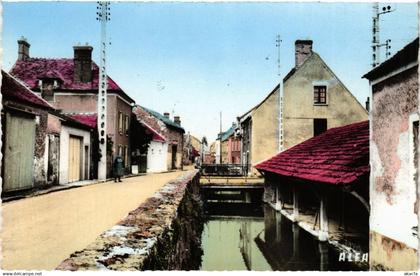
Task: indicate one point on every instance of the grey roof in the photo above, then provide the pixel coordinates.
(168, 122)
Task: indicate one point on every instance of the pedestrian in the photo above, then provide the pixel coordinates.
(118, 168)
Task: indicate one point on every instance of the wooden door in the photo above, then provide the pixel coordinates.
(19, 152)
(74, 158)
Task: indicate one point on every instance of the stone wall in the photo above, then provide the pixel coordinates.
(164, 233)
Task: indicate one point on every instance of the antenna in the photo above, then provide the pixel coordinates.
(103, 16)
(376, 44)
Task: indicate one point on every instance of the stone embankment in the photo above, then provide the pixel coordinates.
(163, 233)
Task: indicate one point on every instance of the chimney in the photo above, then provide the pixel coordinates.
(166, 114)
(177, 120)
(367, 104)
(83, 63)
(23, 49)
(303, 50)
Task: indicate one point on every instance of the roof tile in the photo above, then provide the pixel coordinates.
(338, 156)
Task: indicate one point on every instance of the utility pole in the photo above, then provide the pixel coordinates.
(280, 134)
(376, 42)
(220, 136)
(103, 17)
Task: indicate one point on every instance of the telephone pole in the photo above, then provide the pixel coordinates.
(376, 42)
(280, 133)
(103, 17)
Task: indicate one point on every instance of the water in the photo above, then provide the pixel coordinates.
(255, 237)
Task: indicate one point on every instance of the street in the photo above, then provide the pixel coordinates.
(39, 232)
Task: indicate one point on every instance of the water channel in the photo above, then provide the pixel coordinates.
(240, 236)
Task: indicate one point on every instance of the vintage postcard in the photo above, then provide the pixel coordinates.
(209, 136)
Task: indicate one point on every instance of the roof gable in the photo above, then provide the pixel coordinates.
(166, 121)
(315, 57)
(245, 115)
(338, 156)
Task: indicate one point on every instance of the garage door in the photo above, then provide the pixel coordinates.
(19, 152)
(74, 158)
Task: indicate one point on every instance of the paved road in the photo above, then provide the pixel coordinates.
(39, 232)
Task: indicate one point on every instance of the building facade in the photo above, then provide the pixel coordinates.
(170, 130)
(71, 85)
(394, 183)
(259, 131)
(314, 98)
(41, 146)
(322, 185)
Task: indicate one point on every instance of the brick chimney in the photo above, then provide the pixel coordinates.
(177, 120)
(83, 63)
(23, 49)
(166, 114)
(303, 50)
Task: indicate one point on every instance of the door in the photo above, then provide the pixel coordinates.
(174, 148)
(19, 152)
(74, 158)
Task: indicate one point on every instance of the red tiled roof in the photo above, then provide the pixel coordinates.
(156, 135)
(33, 69)
(86, 119)
(14, 90)
(338, 156)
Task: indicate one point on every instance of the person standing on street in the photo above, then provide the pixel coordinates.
(118, 168)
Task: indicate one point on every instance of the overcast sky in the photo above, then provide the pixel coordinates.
(197, 59)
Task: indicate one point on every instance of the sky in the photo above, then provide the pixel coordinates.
(196, 60)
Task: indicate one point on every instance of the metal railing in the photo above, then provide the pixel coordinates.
(224, 170)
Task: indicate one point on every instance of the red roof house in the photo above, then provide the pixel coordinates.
(338, 156)
(71, 86)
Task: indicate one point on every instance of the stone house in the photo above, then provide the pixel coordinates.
(192, 149)
(314, 99)
(36, 139)
(322, 185)
(71, 86)
(259, 131)
(155, 158)
(231, 148)
(170, 130)
(394, 150)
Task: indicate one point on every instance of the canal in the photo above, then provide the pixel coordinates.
(244, 236)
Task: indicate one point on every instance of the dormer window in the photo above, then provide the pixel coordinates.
(47, 87)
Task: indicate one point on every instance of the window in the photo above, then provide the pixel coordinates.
(320, 94)
(320, 126)
(120, 122)
(126, 156)
(47, 88)
(127, 124)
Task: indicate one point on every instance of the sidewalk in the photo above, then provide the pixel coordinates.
(39, 232)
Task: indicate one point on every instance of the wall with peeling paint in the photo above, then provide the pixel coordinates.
(393, 188)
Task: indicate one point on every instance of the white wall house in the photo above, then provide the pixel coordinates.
(157, 156)
(75, 154)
